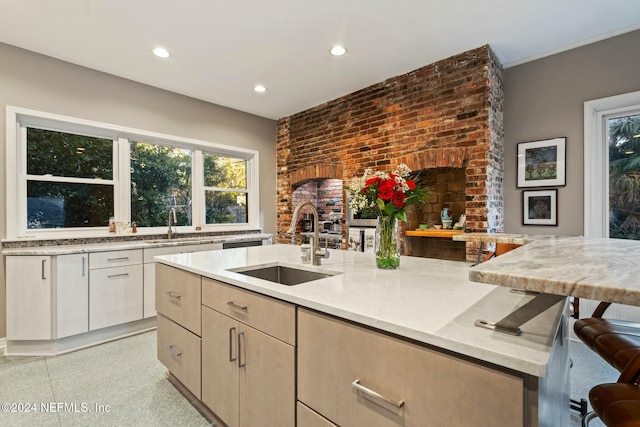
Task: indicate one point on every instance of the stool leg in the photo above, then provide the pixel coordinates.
(587, 418)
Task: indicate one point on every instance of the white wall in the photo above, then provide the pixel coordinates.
(42, 83)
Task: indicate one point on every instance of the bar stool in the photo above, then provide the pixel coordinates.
(617, 404)
(616, 341)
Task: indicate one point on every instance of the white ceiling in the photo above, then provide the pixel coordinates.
(222, 49)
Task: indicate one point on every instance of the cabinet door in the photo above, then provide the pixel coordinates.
(220, 366)
(115, 296)
(149, 291)
(267, 380)
(72, 295)
(29, 314)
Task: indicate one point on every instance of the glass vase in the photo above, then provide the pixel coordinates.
(387, 246)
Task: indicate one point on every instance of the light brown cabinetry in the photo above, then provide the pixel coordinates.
(248, 356)
(149, 267)
(179, 306)
(354, 376)
(308, 418)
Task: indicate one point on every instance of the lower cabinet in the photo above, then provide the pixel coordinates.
(115, 296)
(47, 296)
(115, 288)
(353, 376)
(308, 418)
(248, 376)
(179, 350)
(244, 370)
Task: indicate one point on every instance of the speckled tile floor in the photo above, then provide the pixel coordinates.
(120, 383)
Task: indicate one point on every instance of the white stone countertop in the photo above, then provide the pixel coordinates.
(428, 300)
(598, 269)
(133, 244)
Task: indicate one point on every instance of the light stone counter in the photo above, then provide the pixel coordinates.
(597, 269)
(428, 300)
(133, 244)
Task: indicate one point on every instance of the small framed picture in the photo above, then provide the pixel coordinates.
(542, 163)
(540, 207)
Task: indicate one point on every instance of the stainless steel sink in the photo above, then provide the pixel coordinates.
(284, 275)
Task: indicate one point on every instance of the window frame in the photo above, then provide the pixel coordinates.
(18, 119)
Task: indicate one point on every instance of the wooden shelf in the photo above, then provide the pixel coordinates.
(446, 234)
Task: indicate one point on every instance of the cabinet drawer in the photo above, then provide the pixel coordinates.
(269, 315)
(115, 258)
(179, 351)
(182, 249)
(115, 296)
(178, 296)
(422, 386)
(309, 418)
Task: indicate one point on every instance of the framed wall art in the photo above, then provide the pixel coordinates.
(542, 163)
(540, 207)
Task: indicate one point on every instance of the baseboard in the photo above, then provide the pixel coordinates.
(3, 345)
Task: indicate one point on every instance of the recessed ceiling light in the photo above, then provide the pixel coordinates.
(338, 51)
(260, 88)
(161, 52)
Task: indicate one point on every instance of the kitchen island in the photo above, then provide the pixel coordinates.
(408, 334)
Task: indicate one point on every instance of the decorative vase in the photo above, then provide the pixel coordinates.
(387, 246)
(446, 214)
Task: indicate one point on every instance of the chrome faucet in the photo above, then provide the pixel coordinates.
(317, 253)
(172, 214)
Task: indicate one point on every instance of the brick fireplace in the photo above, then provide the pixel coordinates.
(444, 119)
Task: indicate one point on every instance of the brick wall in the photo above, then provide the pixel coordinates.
(444, 115)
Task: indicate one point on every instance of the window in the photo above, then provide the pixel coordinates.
(67, 177)
(69, 180)
(623, 133)
(612, 167)
(160, 184)
(611, 178)
(225, 184)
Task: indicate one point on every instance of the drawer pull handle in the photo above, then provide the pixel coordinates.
(174, 296)
(236, 306)
(174, 351)
(376, 397)
(232, 332)
(241, 364)
(111, 276)
(126, 258)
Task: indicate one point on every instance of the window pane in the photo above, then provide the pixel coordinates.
(60, 205)
(624, 177)
(224, 172)
(68, 155)
(226, 207)
(160, 181)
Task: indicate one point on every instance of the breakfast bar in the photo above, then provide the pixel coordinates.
(597, 269)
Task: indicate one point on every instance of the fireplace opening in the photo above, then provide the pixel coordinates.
(326, 196)
(449, 186)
